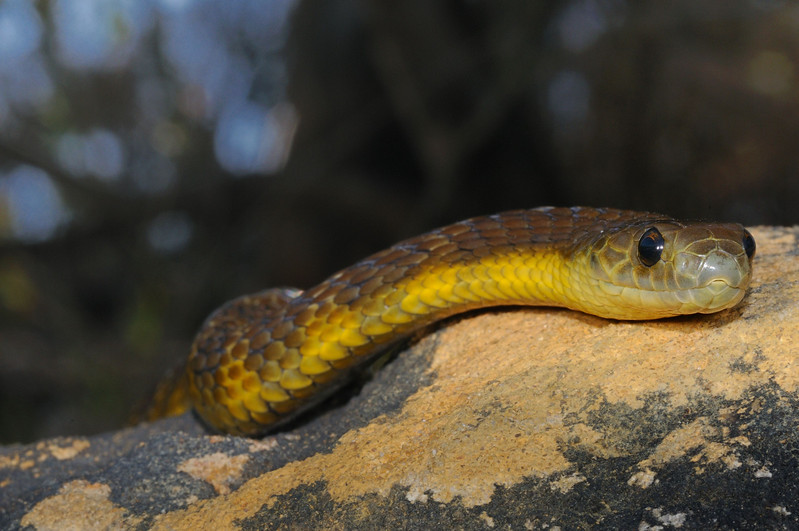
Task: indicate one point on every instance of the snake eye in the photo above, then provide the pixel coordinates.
(650, 247)
(749, 244)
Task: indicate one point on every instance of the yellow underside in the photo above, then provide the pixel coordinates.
(339, 336)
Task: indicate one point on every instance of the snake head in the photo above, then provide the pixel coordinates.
(665, 268)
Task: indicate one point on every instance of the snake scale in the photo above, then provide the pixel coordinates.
(261, 359)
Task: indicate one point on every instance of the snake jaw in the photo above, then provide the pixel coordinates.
(720, 279)
(717, 295)
(724, 273)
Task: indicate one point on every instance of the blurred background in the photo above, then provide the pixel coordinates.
(158, 157)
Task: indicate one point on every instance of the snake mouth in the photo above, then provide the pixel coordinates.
(718, 294)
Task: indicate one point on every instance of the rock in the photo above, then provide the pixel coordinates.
(529, 418)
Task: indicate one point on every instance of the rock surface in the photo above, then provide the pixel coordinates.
(527, 418)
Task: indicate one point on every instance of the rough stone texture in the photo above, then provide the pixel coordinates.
(520, 419)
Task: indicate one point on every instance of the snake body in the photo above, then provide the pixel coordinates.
(260, 359)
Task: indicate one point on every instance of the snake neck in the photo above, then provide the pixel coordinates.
(429, 293)
(284, 361)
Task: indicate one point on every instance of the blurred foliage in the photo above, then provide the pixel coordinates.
(160, 157)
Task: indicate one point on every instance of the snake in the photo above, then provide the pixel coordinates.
(261, 359)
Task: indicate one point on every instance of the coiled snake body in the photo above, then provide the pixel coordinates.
(260, 359)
